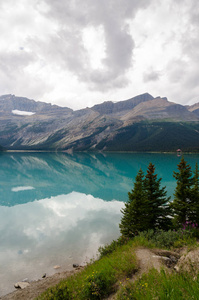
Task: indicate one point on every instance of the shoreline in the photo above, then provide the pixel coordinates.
(37, 287)
(94, 152)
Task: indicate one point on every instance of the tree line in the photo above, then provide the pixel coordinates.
(148, 206)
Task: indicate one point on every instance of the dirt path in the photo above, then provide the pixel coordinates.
(148, 259)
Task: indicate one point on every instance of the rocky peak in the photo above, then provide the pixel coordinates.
(11, 102)
(110, 107)
(194, 108)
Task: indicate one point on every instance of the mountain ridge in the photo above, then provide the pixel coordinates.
(34, 125)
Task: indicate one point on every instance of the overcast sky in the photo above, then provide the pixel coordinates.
(77, 53)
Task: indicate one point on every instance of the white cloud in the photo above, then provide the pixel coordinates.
(78, 53)
(94, 42)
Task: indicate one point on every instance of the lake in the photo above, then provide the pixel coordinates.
(57, 209)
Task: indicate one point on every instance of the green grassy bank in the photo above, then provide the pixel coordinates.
(116, 266)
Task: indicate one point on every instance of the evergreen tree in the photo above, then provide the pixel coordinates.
(193, 215)
(182, 203)
(158, 209)
(147, 205)
(136, 209)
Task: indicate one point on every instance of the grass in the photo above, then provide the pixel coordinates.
(117, 262)
(98, 279)
(154, 239)
(161, 286)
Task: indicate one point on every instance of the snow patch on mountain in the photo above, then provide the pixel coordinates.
(22, 113)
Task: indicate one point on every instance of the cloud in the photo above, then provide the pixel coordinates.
(45, 55)
(15, 61)
(182, 71)
(68, 48)
(151, 75)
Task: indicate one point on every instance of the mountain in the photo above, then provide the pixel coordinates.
(8, 103)
(142, 123)
(194, 108)
(109, 107)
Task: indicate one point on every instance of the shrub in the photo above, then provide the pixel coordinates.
(169, 239)
(191, 228)
(109, 248)
(56, 293)
(98, 285)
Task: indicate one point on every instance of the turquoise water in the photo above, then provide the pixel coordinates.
(57, 209)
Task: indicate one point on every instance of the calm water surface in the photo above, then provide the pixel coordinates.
(57, 209)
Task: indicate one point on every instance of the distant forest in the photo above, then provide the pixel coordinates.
(155, 136)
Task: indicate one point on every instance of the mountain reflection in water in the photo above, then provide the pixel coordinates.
(33, 176)
(57, 209)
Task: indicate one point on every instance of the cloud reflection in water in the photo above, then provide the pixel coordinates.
(61, 230)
